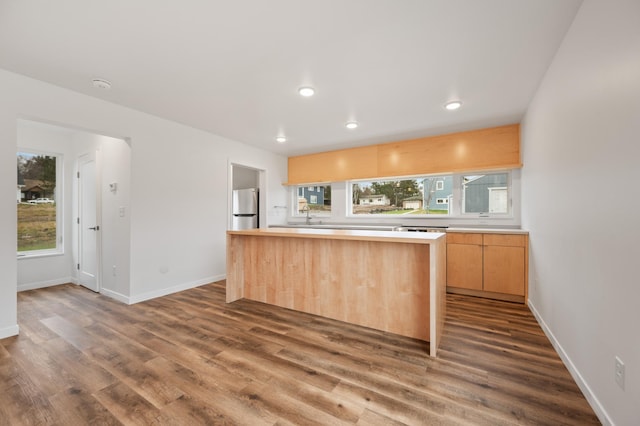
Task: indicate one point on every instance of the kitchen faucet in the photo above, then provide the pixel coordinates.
(308, 210)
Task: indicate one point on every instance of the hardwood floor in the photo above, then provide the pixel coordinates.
(189, 358)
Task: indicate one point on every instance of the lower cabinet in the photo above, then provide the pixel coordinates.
(488, 265)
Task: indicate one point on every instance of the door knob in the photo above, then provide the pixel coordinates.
(95, 228)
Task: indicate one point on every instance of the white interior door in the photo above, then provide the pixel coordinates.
(88, 226)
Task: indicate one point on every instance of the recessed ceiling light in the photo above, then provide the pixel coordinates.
(351, 125)
(453, 105)
(306, 91)
(281, 139)
(100, 83)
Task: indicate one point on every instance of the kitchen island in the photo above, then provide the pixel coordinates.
(389, 281)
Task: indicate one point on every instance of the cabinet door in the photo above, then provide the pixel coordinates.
(504, 269)
(464, 266)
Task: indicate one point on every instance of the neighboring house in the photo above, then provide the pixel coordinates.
(374, 200)
(31, 190)
(302, 204)
(412, 203)
(438, 191)
(312, 194)
(475, 194)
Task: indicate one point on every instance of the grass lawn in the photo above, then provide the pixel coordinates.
(36, 226)
(395, 212)
(430, 212)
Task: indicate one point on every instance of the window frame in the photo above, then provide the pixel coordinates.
(298, 191)
(455, 206)
(487, 214)
(350, 184)
(59, 204)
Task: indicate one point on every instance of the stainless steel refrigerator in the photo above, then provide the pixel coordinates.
(245, 209)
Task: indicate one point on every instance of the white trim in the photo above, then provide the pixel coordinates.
(115, 295)
(44, 284)
(582, 384)
(13, 330)
(58, 197)
(175, 289)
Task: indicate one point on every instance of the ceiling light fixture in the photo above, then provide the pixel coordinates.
(351, 125)
(306, 91)
(100, 83)
(453, 105)
(281, 139)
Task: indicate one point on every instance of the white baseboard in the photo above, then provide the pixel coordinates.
(582, 384)
(115, 295)
(9, 331)
(43, 284)
(175, 289)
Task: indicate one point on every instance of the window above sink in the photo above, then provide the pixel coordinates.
(480, 197)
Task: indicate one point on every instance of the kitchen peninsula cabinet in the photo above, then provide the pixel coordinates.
(488, 264)
(389, 281)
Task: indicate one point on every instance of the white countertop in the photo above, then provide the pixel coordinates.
(489, 230)
(345, 234)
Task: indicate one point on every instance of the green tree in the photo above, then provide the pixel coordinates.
(396, 191)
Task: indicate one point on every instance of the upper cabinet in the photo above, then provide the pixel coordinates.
(484, 149)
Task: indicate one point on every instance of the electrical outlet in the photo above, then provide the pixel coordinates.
(619, 372)
(113, 270)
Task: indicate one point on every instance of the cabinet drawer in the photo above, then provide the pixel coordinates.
(508, 240)
(463, 238)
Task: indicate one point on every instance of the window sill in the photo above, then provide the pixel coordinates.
(39, 254)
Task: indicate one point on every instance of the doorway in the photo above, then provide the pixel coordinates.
(97, 259)
(245, 177)
(88, 223)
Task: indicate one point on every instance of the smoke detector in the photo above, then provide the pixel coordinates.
(100, 83)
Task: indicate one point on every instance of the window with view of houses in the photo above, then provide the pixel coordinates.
(313, 200)
(479, 194)
(38, 211)
(488, 193)
(418, 196)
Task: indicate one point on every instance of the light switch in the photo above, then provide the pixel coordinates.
(121, 211)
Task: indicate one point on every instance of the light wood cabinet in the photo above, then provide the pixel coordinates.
(488, 265)
(464, 261)
(390, 281)
(483, 149)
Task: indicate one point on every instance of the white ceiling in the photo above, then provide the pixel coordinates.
(233, 67)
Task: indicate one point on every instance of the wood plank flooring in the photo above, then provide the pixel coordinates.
(190, 359)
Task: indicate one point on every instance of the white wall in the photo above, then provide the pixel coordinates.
(244, 177)
(42, 271)
(113, 157)
(179, 188)
(581, 203)
(115, 224)
(8, 219)
(56, 269)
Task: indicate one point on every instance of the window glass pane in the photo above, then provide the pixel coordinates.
(406, 196)
(315, 199)
(438, 193)
(485, 193)
(37, 210)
